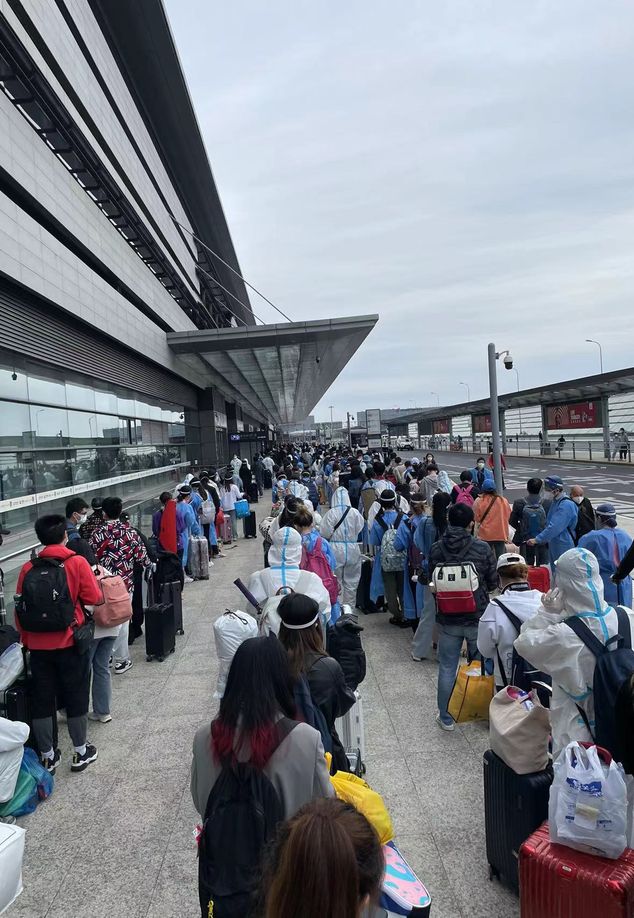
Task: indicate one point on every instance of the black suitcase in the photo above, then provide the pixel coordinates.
(363, 590)
(248, 523)
(172, 594)
(15, 703)
(252, 493)
(267, 478)
(160, 633)
(514, 806)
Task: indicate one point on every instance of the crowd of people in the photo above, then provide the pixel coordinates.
(345, 530)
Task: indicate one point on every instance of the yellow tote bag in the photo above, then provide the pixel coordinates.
(471, 694)
(357, 792)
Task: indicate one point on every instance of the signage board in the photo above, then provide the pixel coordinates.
(373, 421)
(253, 436)
(441, 426)
(374, 443)
(481, 423)
(573, 416)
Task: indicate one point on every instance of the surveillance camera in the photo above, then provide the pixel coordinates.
(14, 376)
(508, 362)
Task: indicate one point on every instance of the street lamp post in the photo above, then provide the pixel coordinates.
(466, 385)
(437, 398)
(331, 422)
(592, 341)
(350, 418)
(519, 410)
(495, 412)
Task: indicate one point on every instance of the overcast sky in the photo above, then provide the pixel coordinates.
(463, 169)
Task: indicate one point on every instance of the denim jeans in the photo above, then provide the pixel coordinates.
(450, 640)
(100, 654)
(120, 651)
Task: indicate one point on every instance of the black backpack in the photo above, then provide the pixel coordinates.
(523, 675)
(45, 603)
(242, 813)
(612, 689)
(309, 713)
(344, 645)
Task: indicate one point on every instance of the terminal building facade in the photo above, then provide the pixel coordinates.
(129, 350)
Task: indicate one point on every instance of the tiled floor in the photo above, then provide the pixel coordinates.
(117, 840)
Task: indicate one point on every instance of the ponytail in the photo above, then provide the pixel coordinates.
(326, 861)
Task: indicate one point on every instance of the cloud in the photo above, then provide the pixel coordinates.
(464, 169)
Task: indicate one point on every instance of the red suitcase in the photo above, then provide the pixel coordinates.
(539, 578)
(558, 882)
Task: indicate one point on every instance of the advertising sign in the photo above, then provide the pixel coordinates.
(573, 416)
(373, 421)
(482, 423)
(441, 426)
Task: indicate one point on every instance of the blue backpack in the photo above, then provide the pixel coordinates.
(533, 521)
(612, 687)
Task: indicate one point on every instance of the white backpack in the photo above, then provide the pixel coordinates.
(270, 620)
(207, 511)
(454, 584)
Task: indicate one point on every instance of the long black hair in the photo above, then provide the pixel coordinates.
(259, 688)
(440, 503)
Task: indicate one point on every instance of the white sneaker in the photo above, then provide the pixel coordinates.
(443, 726)
(417, 659)
(123, 666)
(101, 718)
(188, 579)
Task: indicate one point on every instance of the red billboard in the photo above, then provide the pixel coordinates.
(482, 423)
(573, 416)
(441, 426)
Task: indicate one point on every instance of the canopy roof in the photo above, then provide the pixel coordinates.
(279, 371)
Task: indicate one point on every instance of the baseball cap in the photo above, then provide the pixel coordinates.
(510, 557)
(488, 486)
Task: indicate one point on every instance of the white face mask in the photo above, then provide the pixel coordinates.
(82, 519)
(577, 499)
(480, 465)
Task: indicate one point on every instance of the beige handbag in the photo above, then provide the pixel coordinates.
(519, 730)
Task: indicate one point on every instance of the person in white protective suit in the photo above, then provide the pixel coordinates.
(285, 555)
(341, 526)
(297, 489)
(551, 646)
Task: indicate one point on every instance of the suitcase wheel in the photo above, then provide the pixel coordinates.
(363, 769)
(172, 650)
(149, 658)
(493, 873)
(160, 659)
(180, 631)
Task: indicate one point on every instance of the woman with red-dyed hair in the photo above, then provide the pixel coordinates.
(259, 694)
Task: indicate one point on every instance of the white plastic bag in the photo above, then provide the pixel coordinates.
(230, 630)
(13, 735)
(11, 665)
(587, 809)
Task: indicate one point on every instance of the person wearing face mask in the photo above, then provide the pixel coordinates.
(585, 521)
(76, 515)
(481, 473)
(610, 545)
(430, 483)
(561, 521)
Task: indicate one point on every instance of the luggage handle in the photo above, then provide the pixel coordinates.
(604, 754)
(248, 595)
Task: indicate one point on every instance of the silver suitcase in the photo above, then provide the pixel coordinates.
(351, 730)
(198, 557)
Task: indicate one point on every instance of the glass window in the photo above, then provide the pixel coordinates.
(13, 388)
(141, 409)
(80, 396)
(136, 430)
(125, 406)
(15, 428)
(105, 401)
(17, 476)
(53, 470)
(49, 389)
(50, 426)
(82, 428)
(124, 430)
(108, 429)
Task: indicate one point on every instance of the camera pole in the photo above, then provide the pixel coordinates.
(495, 418)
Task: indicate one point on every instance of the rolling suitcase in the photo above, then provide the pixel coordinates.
(172, 593)
(556, 881)
(198, 558)
(248, 524)
(160, 633)
(363, 590)
(267, 478)
(514, 806)
(253, 495)
(227, 530)
(539, 578)
(351, 731)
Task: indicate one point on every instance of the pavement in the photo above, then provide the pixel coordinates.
(117, 840)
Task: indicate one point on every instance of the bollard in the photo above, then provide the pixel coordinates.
(574, 454)
(590, 449)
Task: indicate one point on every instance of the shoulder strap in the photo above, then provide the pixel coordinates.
(343, 516)
(584, 634)
(488, 509)
(398, 520)
(285, 727)
(625, 629)
(505, 681)
(514, 620)
(379, 519)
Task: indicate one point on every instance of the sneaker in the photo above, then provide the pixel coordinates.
(188, 579)
(83, 761)
(101, 718)
(414, 658)
(221, 554)
(123, 667)
(51, 764)
(443, 726)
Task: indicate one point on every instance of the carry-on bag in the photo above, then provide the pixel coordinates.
(249, 526)
(226, 530)
(514, 806)
(472, 693)
(402, 893)
(241, 508)
(11, 856)
(160, 633)
(172, 593)
(351, 727)
(539, 578)
(230, 630)
(519, 730)
(557, 881)
(363, 600)
(267, 478)
(198, 557)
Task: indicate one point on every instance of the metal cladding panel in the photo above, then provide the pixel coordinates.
(33, 329)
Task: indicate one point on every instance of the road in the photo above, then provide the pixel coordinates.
(601, 482)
